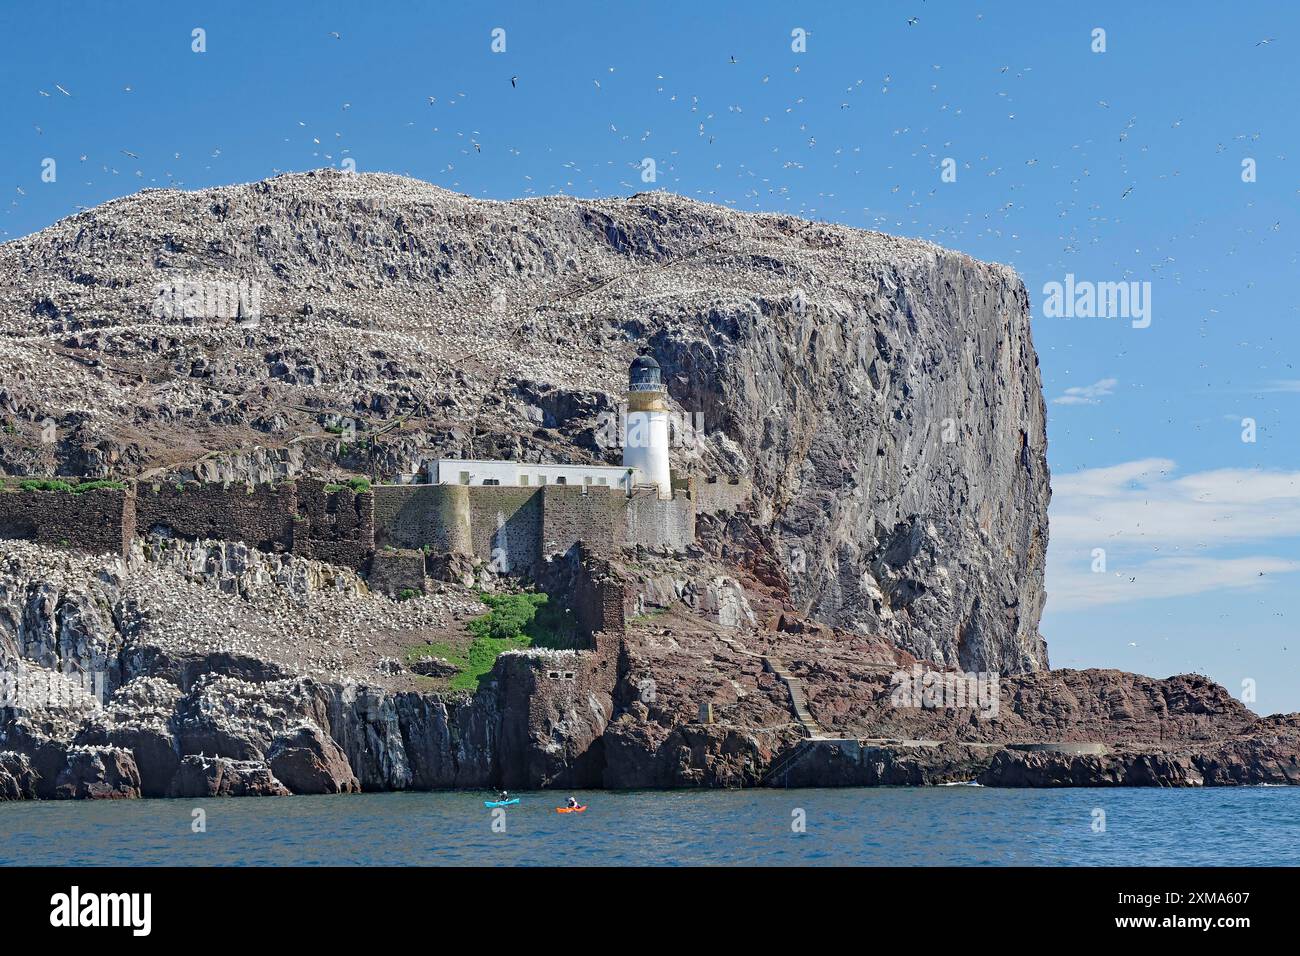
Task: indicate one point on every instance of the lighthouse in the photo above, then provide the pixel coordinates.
(645, 446)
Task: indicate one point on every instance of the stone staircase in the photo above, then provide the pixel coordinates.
(798, 703)
(793, 685)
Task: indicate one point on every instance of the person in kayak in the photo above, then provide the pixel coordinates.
(573, 803)
(503, 796)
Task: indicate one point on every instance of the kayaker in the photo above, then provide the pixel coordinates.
(503, 796)
(573, 803)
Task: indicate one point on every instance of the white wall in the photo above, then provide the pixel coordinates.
(450, 471)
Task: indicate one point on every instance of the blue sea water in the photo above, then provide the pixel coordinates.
(885, 826)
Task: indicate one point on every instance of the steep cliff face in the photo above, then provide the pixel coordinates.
(894, 429)
(100, 697)
(696, 691)
(882, 394)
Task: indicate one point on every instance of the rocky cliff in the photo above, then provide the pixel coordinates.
(205, 670)
(882, 394)
(881, 397)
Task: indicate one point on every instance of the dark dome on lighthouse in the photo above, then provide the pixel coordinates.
(644, 372)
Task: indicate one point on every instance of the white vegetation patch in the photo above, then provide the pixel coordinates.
(1138, 530)
(545, 654)
(312, 627)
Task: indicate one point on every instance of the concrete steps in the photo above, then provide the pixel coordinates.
(798, 703)
(793, 685)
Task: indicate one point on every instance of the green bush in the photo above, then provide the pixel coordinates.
(514, 622)
(510, 615)
(357, 485)
(44, 484)
(99, 483)
(57, 484)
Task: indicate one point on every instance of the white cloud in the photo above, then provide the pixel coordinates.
(1161, 531)
(1087, 394)
(1282, 385)
(1076, 587)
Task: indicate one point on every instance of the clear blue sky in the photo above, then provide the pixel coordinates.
(1116, 166)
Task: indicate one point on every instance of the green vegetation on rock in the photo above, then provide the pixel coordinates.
(514, 622)
(359, 485)
(55, 484)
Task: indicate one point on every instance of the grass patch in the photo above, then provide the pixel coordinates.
(76, 488)
(513, 622)
(359, 485)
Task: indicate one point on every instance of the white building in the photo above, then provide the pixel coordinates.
(645, 447)
(469, 471)
(645, 450)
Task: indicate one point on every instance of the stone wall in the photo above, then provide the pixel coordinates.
(413, 516)
(600, 604)
(261, 517)
(593, 591)
(590, 514)
(395, 572)
(511, 528)
(555, 708)
(515, 528)
(547, 690)
(334, 526)
(101, 521)
(506, 526)
(653, 522)
(714, 493)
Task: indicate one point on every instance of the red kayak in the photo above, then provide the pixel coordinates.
(570, 809)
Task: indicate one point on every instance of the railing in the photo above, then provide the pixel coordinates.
(785, 763)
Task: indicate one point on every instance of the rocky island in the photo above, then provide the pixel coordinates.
(232, 561)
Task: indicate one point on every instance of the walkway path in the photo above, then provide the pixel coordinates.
(793, 685)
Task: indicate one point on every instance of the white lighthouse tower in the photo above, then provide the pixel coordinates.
(645, 446)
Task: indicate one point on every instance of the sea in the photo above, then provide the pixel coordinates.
(957, 825)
